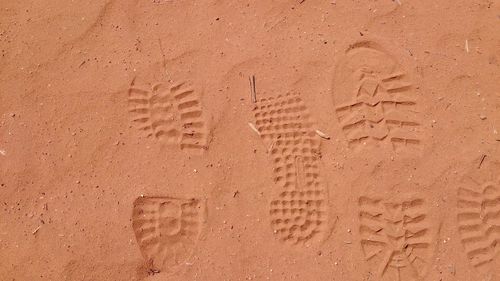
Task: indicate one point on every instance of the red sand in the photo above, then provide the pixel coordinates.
(131, 147)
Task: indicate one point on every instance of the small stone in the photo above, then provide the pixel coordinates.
(482, 117)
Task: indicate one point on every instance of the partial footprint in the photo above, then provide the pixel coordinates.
(171, 114)
(167, 230)
(479, 222)
(396, 237)
(299, 212)
(374, 99)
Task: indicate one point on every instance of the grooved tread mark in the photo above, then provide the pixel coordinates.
(383, 107)
(298, 214)
(396, 236)
(169, 114)
(167, 230)
(479, 222)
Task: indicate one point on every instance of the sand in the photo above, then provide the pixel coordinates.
(250, 140)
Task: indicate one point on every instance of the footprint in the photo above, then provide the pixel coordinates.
(479, 222)
(167, 230)
(396, 237)
(298, 213)
(375, 100)
(171, 114)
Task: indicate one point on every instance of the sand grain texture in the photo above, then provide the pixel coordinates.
(133, 147)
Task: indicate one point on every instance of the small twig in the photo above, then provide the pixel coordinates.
(132, 83)
(36, 230)
(252, 88)
(323, 135)
(252, 126)
(270, 147)
(162, 54)
(466, 45)
(481, 161)
(254, 91)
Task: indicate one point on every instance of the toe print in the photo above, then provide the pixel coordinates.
(375, 100)
(171, 114)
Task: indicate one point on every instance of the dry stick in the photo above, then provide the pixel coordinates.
(36, 230)
(323, 135)
(254, 91)
(252, 88)
(481, 162)
(163, 55)
(270, 147)
(252, 126)
(132, 83)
